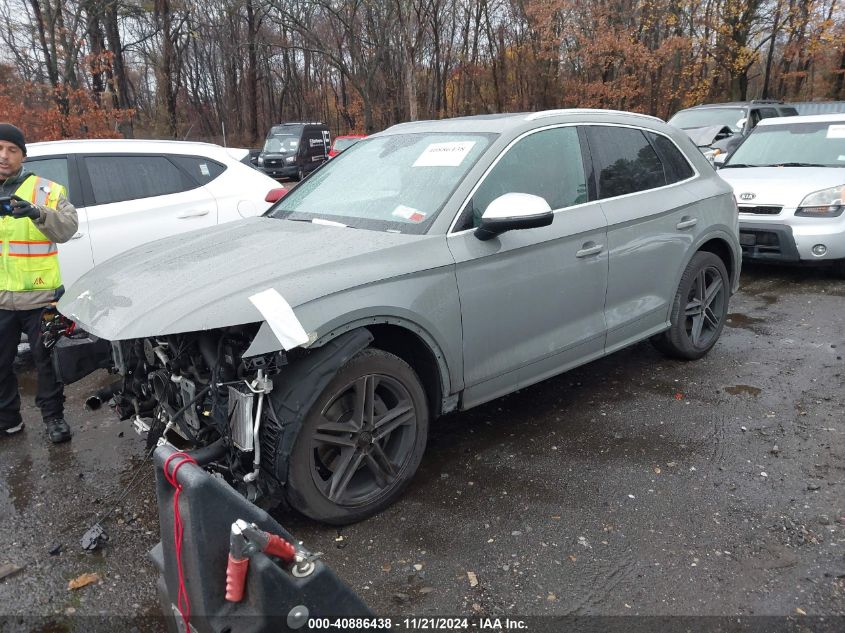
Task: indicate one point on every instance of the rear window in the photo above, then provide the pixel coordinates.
(200, 168)
(121, 178)
(675, 164)
(625, 161)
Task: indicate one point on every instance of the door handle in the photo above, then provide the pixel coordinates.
(588, 250)
(77, 236)
(195, 213)
(686, 223)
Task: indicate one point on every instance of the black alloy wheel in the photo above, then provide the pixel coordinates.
(362, 441)
(704, 311)
(699, 309)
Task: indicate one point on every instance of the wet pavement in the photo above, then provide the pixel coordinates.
(633, 485)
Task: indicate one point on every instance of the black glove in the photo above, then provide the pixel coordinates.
(23, 209)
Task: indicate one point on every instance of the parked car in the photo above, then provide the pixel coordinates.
(718, 128)
(128, 192)
(789, 181)
(432, 267)
(343, 142)
(294, 150)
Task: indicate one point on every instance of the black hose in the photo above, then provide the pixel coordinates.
(102, 395)
(208, 454)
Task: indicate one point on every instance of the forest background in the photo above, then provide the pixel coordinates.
(202, 69)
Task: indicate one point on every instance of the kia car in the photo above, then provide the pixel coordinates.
(789, 181)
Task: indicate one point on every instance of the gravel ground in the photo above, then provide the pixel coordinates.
(634, 485)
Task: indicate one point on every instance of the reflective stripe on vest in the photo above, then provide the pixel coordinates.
(32, 249)
(29, 259)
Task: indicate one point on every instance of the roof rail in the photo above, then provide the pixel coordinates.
(767, 101)
(547, 113)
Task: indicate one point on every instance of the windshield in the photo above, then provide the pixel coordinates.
(705, 117)
(390, 183)
(281, 143)
(793, 145)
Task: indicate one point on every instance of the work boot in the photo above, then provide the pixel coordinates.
(11, 430)
(57, 430)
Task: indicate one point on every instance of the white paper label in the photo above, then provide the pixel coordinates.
(444, 154)
(408, 213)
(280, 317)
(836, 131)
(204, 169)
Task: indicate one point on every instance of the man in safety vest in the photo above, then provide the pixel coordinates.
(35, 215)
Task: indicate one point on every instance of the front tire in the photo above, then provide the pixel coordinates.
(699, 309)
(361, 442)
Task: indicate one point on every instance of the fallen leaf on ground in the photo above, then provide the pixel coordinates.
(83, 580)
(473, 579)
(8, 569)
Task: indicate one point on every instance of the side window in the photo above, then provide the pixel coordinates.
(754, 118)
(55, 169)
(546, 164)
(788, 112)
(119, 178)
(675, 164)
(625, 161)
(200, 168)
(768, 113)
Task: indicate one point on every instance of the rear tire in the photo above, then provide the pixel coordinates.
(699, 309)
(362, 441)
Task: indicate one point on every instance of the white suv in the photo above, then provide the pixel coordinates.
(128, 192)
(788, 177)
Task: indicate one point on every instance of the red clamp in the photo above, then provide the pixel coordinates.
(244, 541)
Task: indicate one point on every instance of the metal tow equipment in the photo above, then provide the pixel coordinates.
(226, 565)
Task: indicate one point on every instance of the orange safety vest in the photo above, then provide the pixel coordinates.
(30, 261)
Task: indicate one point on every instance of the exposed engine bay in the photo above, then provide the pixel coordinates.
(197, 391)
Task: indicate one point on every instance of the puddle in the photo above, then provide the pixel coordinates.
(738, 390)
(736, 319)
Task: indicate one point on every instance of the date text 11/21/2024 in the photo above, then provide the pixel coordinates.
(423, 623)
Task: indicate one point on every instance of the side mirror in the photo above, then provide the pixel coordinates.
(719, 160)
(514, 211)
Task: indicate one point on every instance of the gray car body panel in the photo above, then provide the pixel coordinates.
(495, 314)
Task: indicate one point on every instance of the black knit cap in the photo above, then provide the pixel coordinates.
(11, 134)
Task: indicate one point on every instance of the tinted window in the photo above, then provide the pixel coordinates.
(788, 112)
(546, 164)
(675, 165)
(54, 169)
(202, 169)
(119, 178)
(625, 161)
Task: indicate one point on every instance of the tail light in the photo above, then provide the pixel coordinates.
(274, 195)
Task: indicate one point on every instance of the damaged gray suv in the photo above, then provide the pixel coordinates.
(431, 267)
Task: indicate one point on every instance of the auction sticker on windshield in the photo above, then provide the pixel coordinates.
(449, 154)
(408, 213)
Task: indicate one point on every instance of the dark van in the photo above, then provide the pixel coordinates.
(294, 149)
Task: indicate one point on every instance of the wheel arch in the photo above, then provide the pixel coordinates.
(414, 345)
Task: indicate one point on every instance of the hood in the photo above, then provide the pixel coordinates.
(783, 186)
(203, 280)
(704, 136)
